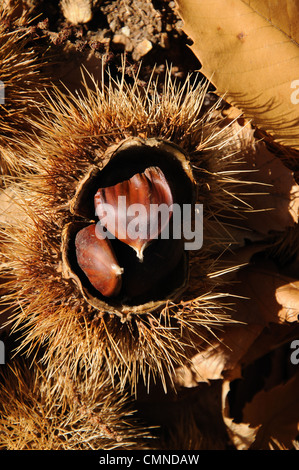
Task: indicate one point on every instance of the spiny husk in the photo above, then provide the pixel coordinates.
(42, 413)
(50, 310)
(21, 74)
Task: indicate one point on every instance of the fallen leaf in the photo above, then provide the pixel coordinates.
(287, 296)
(271, 338)
(269, 295)
(10, 210)
(281, 14)
(269, 188)
(262, 297)
(249, 51)
(276, 413)
(278, 207)
(242, 434)
(223, 355)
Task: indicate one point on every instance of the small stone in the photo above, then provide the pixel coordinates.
(142, 49)
(165, 41)
(125, 31)
(123, 41)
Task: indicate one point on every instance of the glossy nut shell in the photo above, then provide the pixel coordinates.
(143, 193)
(96, 258)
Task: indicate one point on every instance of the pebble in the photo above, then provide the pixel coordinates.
(142, 49)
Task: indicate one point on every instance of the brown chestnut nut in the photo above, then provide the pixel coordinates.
(116, 206)
(96, 258)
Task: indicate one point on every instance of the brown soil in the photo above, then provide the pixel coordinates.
(145, 32)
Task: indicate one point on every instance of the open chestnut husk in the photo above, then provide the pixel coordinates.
(160, 273)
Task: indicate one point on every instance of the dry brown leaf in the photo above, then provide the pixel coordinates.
(281, 14)
(242, 435)
(9, 211)
(249, 51)
(276, 412)
(263, 297)
(271, 338)
(221, 356)
(272, 296)
(287, 296)
(278, 207)
(273, 193)
(9, 208)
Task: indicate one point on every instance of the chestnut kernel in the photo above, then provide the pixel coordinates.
(116, 206)
(96, 258)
